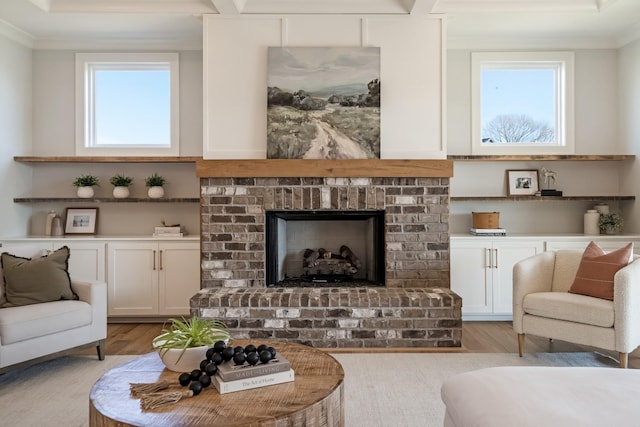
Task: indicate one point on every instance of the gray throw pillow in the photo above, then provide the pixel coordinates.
(36, 280)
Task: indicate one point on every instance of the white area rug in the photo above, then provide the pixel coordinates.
(381, 389)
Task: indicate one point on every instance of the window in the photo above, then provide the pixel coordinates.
(522, 103)
(127, 104)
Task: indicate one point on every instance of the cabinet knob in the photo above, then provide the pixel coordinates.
(154, 259)
(495, 264)
(160, 258)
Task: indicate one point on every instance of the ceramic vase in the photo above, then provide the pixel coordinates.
(85, 192)
(179, 360)
(155, 192)
(120, 192)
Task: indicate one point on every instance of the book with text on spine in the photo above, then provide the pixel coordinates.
(251, 383)
(228, 371)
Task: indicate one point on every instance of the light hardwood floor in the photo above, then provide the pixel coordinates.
(477, 337)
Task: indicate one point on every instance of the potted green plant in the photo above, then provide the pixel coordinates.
(183, 345)
(121, 185)
(610, 223)
(85, 184)
(155, 183)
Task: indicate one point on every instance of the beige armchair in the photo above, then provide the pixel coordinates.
(542, 305)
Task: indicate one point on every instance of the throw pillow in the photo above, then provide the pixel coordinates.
(35, 280)
(597, 269)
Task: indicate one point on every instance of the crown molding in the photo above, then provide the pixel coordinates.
(121, 45)
(16, 34)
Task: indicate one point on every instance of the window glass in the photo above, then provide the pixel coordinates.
(523, 103)
(127, 104)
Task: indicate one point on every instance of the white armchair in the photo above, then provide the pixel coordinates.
(29, 332)
(542, 305)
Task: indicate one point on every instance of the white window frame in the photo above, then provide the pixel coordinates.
(563, 64)
(86, 65)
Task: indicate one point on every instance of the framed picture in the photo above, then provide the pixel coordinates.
(81, 221)
(522, 182)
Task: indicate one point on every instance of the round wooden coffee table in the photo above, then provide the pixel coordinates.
(314, 398)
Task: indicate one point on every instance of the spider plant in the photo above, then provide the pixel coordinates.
(195, 332)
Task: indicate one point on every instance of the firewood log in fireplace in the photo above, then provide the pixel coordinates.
(325, 262)
(330, 266)
(350, 256)
(310, 257)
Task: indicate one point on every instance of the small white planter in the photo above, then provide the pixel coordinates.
(85, 192)
(155, 192)
(120, 192)
(189, 361)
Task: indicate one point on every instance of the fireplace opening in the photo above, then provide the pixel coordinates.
(324, 248)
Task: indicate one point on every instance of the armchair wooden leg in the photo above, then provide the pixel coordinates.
(100, 348)
(624, 360)
(520, 344)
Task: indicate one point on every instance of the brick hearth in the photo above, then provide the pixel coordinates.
(338, 317)
(414, 309)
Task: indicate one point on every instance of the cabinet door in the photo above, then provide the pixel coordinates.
(506, 253)
(471, 275)
(132, 278)
(607, 244)
(179, 278)
(26, 249)
(86, 259)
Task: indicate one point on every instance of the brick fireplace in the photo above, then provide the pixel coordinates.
(414, 307)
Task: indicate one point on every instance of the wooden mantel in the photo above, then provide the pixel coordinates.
(351, 168)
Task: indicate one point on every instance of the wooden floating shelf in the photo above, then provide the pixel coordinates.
(106, 200)
(115, 159)
(538, 198)
(562, 157)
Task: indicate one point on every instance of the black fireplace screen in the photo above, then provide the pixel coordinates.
(325, 248)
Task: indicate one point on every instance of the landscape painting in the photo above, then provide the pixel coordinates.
(323, 103)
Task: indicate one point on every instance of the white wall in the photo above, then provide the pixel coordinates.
(53, 129)
(15, 132)
(411, 76)
(597, 105)
(629, 122)
(54, 106)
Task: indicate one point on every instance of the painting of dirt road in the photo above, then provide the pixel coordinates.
(323, 103)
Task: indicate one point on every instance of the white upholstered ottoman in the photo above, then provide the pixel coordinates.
(543, 396)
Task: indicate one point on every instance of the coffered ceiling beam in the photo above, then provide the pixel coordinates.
(229, 7)
(516, 6)
(126, 6)
(420, 7)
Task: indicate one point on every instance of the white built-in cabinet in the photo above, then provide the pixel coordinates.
(482, 267)
(86, 262)
(152, 278)
(481, 273)
(145, 277)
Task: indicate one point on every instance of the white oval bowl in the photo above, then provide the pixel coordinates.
(189, 361)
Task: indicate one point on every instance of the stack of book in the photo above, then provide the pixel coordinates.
(488, 231)
(173, 231)
(231, 377)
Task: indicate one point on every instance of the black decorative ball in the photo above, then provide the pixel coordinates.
(195, 387)
(211, 369)
(205, 380)
(239, 358)
(253, 358)
(184, 378)
(265, 356)
(195, 374)
(217, 358)
(227, 354)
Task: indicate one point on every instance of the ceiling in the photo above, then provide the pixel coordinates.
(74, 24)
